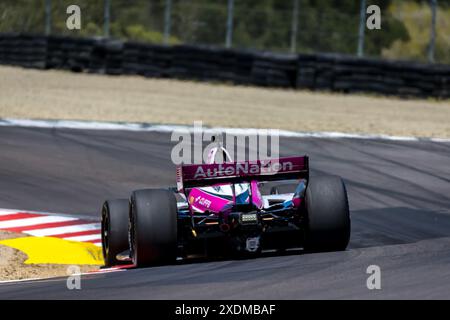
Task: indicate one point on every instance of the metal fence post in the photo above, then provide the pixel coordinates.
(432, 45)
(167, 21)
(229, 38)
(294, 30)
(48, 17)
(106, 18)
(362, 29)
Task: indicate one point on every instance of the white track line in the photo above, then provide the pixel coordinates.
(59, 278)
(5, 212)
(62, 230)
(94, 125)
(85, 238)
(33, 221)
(27, 280)
(11, 211)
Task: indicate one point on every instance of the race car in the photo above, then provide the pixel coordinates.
(219, 208)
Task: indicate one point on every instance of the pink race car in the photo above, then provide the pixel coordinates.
(222, 210)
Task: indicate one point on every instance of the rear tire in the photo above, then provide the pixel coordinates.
(328, 215)
(153, 229)
(115, 215)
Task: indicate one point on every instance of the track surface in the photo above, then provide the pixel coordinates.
(399, 194)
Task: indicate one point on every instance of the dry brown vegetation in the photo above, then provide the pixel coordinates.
(63, 95)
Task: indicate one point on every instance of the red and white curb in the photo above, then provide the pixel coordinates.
(41, 224)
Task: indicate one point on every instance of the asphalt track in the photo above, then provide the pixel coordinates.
(399, 194)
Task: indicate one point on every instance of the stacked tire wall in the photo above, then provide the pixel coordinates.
(329, 72)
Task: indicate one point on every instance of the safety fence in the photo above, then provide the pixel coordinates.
(329, 72)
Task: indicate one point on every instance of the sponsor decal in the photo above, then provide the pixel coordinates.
(242, 169)
(203, 201)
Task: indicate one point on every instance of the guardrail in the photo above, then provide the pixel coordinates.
(313, 71)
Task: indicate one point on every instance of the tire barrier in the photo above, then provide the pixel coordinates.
(331, 72)
(23, 50)
(73, 54)
(146, 60)
(351, 74)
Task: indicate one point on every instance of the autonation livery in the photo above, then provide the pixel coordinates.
(222, 209)
(243, 169)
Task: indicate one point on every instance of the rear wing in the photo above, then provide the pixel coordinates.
(190, 176)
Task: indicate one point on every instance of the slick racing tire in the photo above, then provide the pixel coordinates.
(115, 215)
(328, 215)
(153, 227)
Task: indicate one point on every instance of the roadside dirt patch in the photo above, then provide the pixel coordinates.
(35, 94)
(12, 265)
